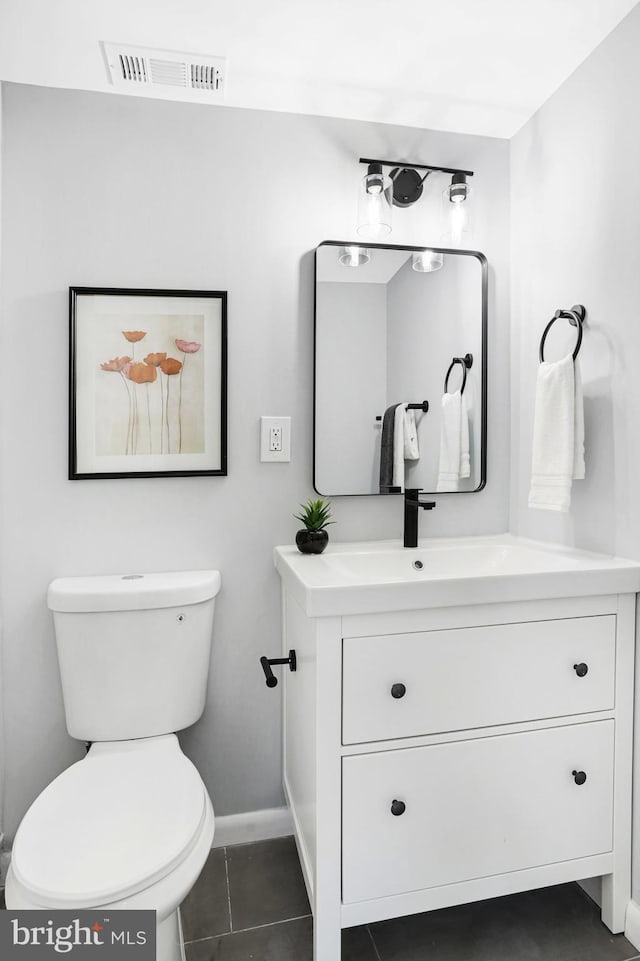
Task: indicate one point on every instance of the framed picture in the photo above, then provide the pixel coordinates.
(147, 382)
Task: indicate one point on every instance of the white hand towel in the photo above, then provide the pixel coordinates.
(578, 420)
(451, 442)
(558, 435)
(465, 463)
(411, 448)
(398, 447)
(405, 442)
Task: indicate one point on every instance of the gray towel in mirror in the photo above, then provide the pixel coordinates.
(386, 450)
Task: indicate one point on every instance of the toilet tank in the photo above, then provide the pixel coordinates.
(133, 651)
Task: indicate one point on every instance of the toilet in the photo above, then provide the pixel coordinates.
(129, 826)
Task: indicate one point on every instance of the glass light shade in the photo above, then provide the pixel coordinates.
(354, 256)
(425, 261)
(457, 212)
(375, 198)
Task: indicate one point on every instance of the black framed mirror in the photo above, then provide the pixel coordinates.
(394, 325)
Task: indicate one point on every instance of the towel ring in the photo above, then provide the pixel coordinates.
(576, 317)
(467, 363)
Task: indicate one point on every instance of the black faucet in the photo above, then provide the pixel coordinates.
(412, 503)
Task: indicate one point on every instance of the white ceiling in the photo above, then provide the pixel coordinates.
(464, 65)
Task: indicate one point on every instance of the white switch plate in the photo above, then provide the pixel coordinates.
(275, 439)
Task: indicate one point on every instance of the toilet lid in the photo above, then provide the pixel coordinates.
(111, 824)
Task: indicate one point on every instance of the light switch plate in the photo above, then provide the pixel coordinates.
(275, 439)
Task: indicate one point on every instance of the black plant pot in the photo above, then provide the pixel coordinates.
(311, 542)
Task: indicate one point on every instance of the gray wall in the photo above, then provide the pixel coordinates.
(2, 684)
(107, 190)
(576, 239)
(351, 351)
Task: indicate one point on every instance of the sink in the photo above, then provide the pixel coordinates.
(379, 576)
(459, 560)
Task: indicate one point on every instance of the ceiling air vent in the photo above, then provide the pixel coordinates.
(165, 73)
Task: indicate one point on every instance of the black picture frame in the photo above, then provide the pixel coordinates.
(168, 424)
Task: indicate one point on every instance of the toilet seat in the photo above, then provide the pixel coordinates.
(111, 825)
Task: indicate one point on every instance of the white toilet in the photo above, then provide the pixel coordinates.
(131, 825)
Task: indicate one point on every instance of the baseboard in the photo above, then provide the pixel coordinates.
(252, 826)
(632, 924)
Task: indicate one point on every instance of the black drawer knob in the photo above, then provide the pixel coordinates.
(579, 777)
(398, 808)
(581, 669)
(398, 690)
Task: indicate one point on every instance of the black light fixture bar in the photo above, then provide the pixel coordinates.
(403, 164)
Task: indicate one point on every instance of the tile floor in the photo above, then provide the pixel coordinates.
(250, 904)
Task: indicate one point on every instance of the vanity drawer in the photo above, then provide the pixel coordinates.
(404, 685)
(475, 808)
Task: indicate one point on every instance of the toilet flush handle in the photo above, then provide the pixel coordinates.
(266, 663)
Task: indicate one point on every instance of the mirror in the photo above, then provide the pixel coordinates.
(390, 324)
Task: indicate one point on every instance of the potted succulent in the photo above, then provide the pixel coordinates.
(315, 516)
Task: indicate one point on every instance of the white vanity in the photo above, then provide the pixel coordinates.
(459, 725)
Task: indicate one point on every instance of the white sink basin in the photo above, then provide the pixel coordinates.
(459, 560)
(383, 576)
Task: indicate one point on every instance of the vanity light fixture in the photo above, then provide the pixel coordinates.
(354, 256)
(375, 197)
(426, 261)
(403, 187)
(456, 212)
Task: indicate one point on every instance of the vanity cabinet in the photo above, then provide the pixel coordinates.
(443, 755)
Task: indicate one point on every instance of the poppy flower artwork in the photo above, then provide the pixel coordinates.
(148, 383)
